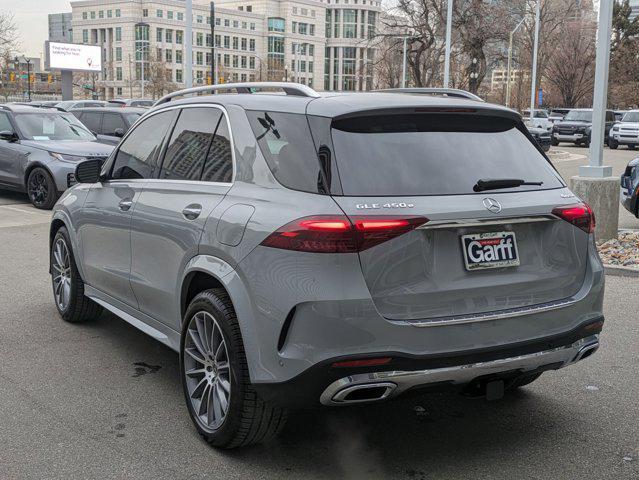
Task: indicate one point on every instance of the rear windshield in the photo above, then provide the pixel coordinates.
(434, 154)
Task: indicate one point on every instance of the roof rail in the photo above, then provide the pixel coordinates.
(444, 92)
(294, 89)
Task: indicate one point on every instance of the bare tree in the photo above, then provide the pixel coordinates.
(571, 67)
(159, 78)
(9, 37)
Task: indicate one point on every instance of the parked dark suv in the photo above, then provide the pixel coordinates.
(108, 124)
(576, 127)
(303, 251)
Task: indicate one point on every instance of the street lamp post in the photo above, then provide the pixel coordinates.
(474, 75)
(449, 28)
(405, 48)
(510, 56)
(533, 80)
(28, 62)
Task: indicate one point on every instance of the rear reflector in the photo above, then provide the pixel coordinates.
(339, 233)
(364, 362)
(580, 215)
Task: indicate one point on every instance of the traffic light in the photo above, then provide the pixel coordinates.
(49, 78)
(208, 80)
(12, 77)
(32, 78)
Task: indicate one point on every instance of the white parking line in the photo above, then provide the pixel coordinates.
(14, 216)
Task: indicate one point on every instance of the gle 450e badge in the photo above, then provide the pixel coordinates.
(369, 206)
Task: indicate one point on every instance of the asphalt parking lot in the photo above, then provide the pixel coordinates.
(102, 400)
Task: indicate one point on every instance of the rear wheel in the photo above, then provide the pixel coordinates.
(68, 287)
(554, 142)
(613, 144)
(41, 189)
(220, 399)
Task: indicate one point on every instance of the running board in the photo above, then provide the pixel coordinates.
(171, 341)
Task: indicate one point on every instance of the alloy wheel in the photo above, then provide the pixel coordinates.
(61, 268)
(207, 370)
(38, 189)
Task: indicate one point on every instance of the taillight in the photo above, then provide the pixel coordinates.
(339, 233)
(580, 215)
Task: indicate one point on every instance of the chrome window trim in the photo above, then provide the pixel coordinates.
(175, 107)
(483, 221)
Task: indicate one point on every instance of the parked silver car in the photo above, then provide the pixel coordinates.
(39, 150)
(302, 250)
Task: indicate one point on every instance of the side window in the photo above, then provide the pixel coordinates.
(219, 161)
(5, 124)
(189, 144)
(610, 116)
(111, 122)
(137, 155)
(92, 121)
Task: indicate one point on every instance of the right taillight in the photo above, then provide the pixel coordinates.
(579, 214)
(339, 233)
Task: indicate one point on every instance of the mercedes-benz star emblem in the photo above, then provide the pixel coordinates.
(492, 205)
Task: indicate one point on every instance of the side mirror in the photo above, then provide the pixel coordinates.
(88, 171)
(119, 132)
(8, 135)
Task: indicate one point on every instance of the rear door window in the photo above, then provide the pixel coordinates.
(111, 122)
(92, 121)
(219, 161)
(189, 144)
(434, 154)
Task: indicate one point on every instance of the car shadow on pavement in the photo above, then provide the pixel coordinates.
(416, 437)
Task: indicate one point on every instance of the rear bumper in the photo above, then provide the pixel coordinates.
(325, 384)
(629, 200)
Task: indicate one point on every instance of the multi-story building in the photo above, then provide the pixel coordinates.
(634, 7)
(326, 44)
(499, 77)
(60, 27)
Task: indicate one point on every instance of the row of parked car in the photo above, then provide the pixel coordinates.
(575, 125)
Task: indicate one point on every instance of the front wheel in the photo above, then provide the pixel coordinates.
(220, 399)
(613, 144)
(554, 142)
(41, 189)
(68, 287)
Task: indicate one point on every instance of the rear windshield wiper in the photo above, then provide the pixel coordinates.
(497, 183)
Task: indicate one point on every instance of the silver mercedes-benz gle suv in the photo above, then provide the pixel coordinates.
(300, 250)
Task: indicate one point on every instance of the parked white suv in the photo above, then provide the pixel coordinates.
(625, 132)
(540, 119)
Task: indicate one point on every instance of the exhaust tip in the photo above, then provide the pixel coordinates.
(586, 351)
(371, 392)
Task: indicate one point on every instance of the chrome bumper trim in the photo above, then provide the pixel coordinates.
(461, 374)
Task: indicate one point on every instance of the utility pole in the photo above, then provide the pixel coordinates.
(130, 78)
(213, 59)
(510, 57)
(533, 80)
(28, 78)
(404, 63)
(449, 29)
(188, 45)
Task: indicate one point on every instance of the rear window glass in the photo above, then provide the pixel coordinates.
(427, 154)
(286, 143)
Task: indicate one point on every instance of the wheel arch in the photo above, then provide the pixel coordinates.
(61, 219)
(204, 272)
(30, 167)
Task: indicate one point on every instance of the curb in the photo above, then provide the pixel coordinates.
(617, 271)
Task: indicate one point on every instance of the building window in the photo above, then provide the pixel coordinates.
(199, 58)
(310, 67)
(249, 8)
(276, 24)
(159, 13)
(199, 39)
(208, 58)
(118, 91)
(252, 44)
(169, 14)
(244, 44)
(243, 61)
(244, 25)
(118, 34)
(294, 27)
(209, 42)
(84, 15)
(159, 34)
(179, 35)
(168, 56)
(109, 13)
(118, 13)
(85, 36)
(178, 75)
(252, 26)
(227, 22)
(168, 35)
(236, 24)
(236, 45)
(235, 61)
(118, 54)
(178, 56)
(199, 19)
(217, 22)
(227, 41)
(218, 40)
(180, 17)
(251, 62)
(101, 14)
(227, 60)
(92, 15)
(118, 73)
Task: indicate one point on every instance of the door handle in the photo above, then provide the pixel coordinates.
(125, 204)
(191, 212)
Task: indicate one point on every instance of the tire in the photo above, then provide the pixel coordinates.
(613, 144)
(248, 419)
(69, 299)
(554, 142)
(631, 147)
(523, 381)
(41, 189)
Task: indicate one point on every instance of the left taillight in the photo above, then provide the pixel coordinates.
(579, 214)
(339, 233)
